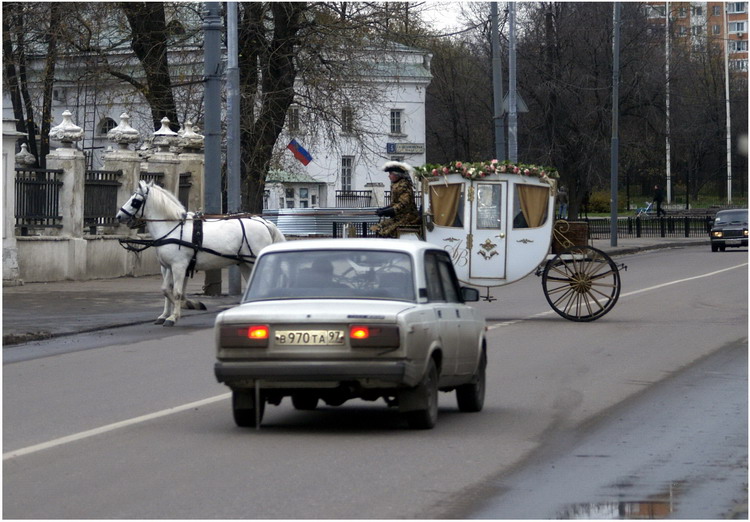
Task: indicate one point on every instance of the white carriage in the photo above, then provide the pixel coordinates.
(499, 226)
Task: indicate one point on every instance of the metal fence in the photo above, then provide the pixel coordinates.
(100, 198)
(353, 198)
(669, 226)
(156, 177)
(38, 199)
(184, 188)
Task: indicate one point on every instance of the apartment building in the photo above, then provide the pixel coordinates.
(702, 23)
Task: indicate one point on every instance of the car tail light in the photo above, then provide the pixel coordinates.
(374, 336)
(253, 336)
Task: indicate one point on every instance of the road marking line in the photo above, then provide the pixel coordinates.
(634, 292)
(627, 294)
(110, 427)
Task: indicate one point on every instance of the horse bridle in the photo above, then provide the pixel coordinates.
(139, 205)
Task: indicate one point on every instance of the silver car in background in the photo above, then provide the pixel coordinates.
(336, 319)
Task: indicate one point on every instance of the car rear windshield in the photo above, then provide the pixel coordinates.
(732, 216)
(332, 274)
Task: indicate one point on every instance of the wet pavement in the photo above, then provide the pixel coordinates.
(35, 311)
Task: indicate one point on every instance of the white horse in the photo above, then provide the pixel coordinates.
(218, 242)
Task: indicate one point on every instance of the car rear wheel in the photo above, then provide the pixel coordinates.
(246, 415)
(426, 418)
(470, 396)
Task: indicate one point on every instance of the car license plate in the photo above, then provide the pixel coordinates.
(732, 242)
(310, 337)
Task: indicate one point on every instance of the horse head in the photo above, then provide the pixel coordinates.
(131, 213)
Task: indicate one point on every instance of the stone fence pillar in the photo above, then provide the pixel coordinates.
(124, 159)
(163, 160)
(10, 249)
(192, 160)
(73, 162)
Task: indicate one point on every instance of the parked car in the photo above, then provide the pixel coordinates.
(729, 229)
(335, 319)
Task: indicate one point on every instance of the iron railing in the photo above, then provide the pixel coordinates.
(353, 198)
(37, 199)
(100, 198)
(665, 226)
(417, 198)
(156, 177)
(184, 189)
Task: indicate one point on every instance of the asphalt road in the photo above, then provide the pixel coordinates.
(126, 425)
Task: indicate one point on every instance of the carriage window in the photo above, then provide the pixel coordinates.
(489, 206)
(447, 204)
(530, 206)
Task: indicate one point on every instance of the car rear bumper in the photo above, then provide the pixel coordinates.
(374, 373)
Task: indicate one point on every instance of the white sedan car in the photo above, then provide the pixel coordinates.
(335, 319)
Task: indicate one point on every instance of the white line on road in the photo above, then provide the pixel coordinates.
(627, 294)
(110, 427)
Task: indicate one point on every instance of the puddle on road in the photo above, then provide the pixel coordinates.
(657, 506)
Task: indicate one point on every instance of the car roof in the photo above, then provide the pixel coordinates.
(408, 246)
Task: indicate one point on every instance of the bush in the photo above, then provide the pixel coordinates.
(599, 202)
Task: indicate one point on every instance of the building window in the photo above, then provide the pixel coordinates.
(738, 46)
(347, 120)
(716, 29)
(347, 168)
(736, 7)
(107, 125)
(293, 119)
(697, 10)
(738, 65)
(717, 10)
(681, 30)
(682, 12)
(737, 27)
(304, 193)
(397, 121)
(697, 30)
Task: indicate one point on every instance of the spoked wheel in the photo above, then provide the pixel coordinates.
(581, 283)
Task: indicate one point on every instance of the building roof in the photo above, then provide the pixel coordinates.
(282, 176)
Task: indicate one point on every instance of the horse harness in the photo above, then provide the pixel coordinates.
(196, 243)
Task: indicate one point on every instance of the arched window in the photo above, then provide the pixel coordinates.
(106, 125)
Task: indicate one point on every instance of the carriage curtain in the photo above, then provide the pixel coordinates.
(533, 201)
(444, 203)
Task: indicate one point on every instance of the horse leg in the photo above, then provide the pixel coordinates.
(166, 289)
(178, 294)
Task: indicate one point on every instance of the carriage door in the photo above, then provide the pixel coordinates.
(488, 228)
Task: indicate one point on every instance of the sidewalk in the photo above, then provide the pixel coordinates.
(44, 310)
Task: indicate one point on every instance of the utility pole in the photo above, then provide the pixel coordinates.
(497, 84)
(233, 132)
(615, 150)
(212, 109)
(512, 104)
(668, 129)
(725, 30)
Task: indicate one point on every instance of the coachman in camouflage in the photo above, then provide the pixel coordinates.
(403, 210)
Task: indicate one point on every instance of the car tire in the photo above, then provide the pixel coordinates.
(723, 248)
(426, 418)
(470, 397)
(714, 248)
(304, 402)
(244, 410)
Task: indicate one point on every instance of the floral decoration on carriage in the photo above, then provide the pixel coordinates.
(481, 169)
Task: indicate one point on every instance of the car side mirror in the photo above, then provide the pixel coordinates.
(469, 294)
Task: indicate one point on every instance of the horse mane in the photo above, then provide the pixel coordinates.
(166, 202)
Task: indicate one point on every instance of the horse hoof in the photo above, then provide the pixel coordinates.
(159, 321)
(168, 323)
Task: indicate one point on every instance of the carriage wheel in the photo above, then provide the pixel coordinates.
(581, 283)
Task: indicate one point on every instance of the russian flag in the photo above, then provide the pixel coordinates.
(299, 152)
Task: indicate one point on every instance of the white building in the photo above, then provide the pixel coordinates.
(344, 172)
